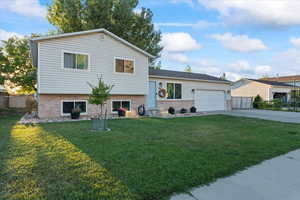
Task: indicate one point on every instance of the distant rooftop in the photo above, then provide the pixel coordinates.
(183, 75)
(283, 78)
(274, 83)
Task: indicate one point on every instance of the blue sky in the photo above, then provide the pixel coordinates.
(245, 38)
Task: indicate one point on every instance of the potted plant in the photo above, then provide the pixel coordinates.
(99, 95)
(122, 112)
(75, 113)
(171, 110)
(183, 111)
(193, 109)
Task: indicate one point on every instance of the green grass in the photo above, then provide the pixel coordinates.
(139, 159)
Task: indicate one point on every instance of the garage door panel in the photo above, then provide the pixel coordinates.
(209, 100)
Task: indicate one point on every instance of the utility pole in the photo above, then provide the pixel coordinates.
(294, 91)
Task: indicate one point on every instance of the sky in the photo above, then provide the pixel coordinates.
(241, 38)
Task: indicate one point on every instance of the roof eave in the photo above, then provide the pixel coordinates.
(189, 79)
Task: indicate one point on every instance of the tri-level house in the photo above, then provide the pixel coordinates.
(66, 63)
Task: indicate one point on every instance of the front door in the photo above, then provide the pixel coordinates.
(152, 95)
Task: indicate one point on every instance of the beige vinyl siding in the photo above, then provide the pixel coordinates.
(188, 86)
(54, 79)
(252, 89)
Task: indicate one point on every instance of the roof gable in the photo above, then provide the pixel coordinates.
(34, 41)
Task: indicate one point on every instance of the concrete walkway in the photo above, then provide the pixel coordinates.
(275, 179)
(291, 117)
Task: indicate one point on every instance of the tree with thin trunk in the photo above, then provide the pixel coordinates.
(99, 95)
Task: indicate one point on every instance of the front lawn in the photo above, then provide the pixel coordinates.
(139, 159)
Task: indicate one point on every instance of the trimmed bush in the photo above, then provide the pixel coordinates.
(171, 110)
(258, 101)
(193, 109)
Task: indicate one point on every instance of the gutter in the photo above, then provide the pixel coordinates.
(189, 79)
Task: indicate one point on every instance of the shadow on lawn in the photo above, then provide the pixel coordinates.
(39, 164)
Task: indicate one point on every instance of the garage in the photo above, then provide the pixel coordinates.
(209, 100)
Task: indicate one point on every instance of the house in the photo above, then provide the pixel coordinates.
(291, 80)
(268, 90)
(68, 62)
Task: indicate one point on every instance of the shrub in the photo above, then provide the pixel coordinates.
(258, 101)
(183, 110)
(193, 109)
(171, 110)
(31, 104)
(277, 103)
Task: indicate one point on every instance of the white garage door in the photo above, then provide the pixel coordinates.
(209, 100)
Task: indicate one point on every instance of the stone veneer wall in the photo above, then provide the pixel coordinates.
(50, 104)
(164, 105)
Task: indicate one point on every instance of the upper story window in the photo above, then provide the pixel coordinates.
(174, 90)
(123, 65)
(76, 61)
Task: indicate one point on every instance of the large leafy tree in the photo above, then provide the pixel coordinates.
(117, 16)
(16, 68)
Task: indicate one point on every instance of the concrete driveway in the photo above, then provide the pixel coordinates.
(292, 117)
(275, 179)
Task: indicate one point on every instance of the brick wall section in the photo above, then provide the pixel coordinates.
(50, 104)
(164, 105)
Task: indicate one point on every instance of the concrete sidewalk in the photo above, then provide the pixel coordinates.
(275, 179)
(281, 116)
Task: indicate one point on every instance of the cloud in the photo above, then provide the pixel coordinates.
(240, 43)
(243, 68)
(30, 8)
(295, 41)
(276, 13)
(287, 62)
(189, 2)
(4, 35)
(202, 24)
(179, 42)
(177, 57)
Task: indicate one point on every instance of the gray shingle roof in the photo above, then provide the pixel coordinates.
(274, 83)
(185, 75)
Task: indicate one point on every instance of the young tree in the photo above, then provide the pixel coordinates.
(223, 77)
(15, 65)
(117, 16)
(100, 94)
(188, 69)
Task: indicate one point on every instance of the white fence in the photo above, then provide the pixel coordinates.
(242, 102)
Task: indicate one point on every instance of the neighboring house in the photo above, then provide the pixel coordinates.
(67, 62)
(291, 80)
(268, 90)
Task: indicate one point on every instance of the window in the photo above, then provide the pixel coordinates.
(174, 91)
(67, 106)
(120, 104)
(75, 61)
(124, 65)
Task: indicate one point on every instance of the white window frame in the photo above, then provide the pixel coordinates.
(174, 91)
(121, 104)
(75, 69)
(124, 58)
(68, 100)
